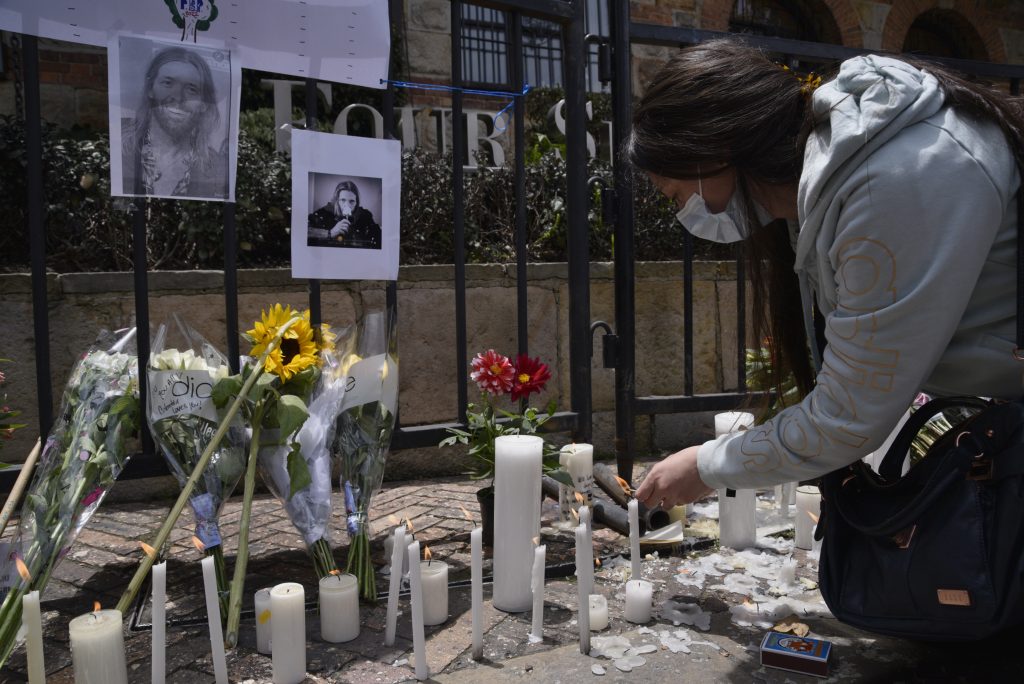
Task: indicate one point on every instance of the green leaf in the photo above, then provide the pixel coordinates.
(226, 389)
(298, 471)
(291, 414)
(561, 476)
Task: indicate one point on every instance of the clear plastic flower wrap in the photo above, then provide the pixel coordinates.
(362, 433)
(183, 368)
(83, 454)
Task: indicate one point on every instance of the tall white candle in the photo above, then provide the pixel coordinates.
(566, 498)
(537, 585)
(419, 641)
(261, 603)
(339, 608)
(398, 551)
(582, 590)
(585, 518)
(220, 665)
(808, 502)
(517, 474)
(782, 493)
(634, 539)
(32, 621)
(97, 648)
(580, 464)
(732, 421)
(288, 633)
(639, 594)
(598, 609)
(476, 543)
(434, 579)
(737, 519)
(159, 632)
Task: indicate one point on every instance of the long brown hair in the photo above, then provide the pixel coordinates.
(725, 103)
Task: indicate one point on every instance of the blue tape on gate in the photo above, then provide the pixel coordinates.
(470, 91)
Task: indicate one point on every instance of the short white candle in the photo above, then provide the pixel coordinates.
(517, 475)
(220, 665)
(398, 551)
(737, 519)
(787, 573)
(579, 463)
(476, 543)
(634, 539)
(419, 641)
(582, 591)
(261, 603)
(288, 633)
(639, 595)
(732, 421)
(808, 502)
(32, 621)
(339, 608)
(159, 631)
(434, 578)
(537, 585)
(598, 605)
(97, 648)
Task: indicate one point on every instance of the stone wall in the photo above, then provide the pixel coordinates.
(82, 303)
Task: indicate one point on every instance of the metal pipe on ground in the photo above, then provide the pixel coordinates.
(650, 518)
(608, 515)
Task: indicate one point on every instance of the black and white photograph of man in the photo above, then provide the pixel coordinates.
(345, 214)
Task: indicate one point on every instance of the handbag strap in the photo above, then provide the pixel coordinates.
(891, 467)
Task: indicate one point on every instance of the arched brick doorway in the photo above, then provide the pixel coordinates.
(944, 33)
(966, 15)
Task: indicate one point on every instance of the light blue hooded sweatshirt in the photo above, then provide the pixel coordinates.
(907, 237)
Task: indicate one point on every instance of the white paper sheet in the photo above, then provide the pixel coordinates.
(347, 41)
(321, 164)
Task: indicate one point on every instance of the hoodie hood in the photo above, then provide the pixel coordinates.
(871, 100)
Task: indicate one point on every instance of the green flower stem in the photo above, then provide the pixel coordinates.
(360, 565)
(242, 557)
(197, 471)
(323, 558)
(222, 578)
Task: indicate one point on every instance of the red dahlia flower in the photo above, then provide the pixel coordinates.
(492, 372)
(530, 376)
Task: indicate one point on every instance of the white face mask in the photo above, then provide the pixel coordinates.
(726, 226)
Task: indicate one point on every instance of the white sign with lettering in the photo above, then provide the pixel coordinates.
(181, 392)
(375, 378)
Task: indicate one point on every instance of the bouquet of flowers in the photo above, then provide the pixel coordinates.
(7, 428)
(83, 455)
(362, 434)
(182, 418)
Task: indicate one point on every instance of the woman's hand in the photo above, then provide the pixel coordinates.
(340, 228)
(673, 481)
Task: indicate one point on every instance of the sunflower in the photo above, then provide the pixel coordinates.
(298, 348)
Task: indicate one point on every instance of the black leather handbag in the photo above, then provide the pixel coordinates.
(938, 553)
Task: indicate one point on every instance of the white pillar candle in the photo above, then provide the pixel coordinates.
(398, 552)
(261, 603)
(339, 608)
(434, 579)
(220, 665)
(32, 621)
(419, 641)
(732, 421)
(159, 632)
(598, 606)
(580, 464)
(808, 502)
(537, 585)
(634, 539)
(737, 519)
(288, 633)
(517, 474)
(97, 648)
(639, 596)
(582, 591)
(476, 543)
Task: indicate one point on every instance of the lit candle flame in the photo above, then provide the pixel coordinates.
(335, 571)
(580, 498)
(536, 541)
(408, 524)
(813, 517)
(466, 513)
(198, 544)
(575, 514)
(95, 606)
(23, 569)
(395, 522)
(597, 562)
(625, 485)
(427, 556)
(148, 550)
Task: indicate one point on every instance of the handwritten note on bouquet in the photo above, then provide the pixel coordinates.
(375, 378)
(181, 392)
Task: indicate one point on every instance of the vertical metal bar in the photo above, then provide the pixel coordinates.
(1015, 86)
(387, 105)
(688, 313)
(741, 321)
(625, 286)
(578, 225)
(459, 215)
(231, 284)
(523, 335)
(140, 267)
(36, 231)
(314, 285)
